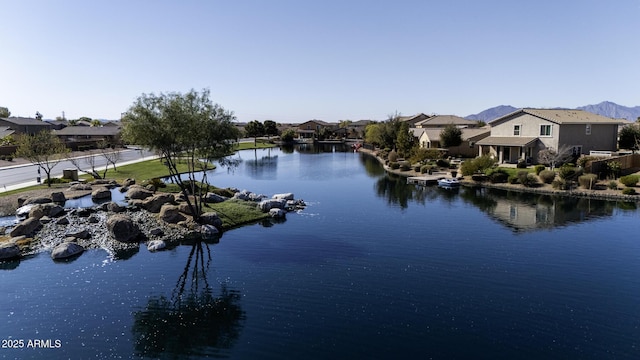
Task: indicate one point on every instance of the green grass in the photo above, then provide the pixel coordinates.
(141, 171)
(514, 171)
(237, 212)
(261, 144)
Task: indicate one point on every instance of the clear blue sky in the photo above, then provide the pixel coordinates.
(291, 61)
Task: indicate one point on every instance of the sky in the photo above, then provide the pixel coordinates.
(295, 60)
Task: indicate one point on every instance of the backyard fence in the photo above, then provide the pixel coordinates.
(628, 164)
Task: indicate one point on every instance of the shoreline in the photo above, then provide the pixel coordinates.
(544, 189)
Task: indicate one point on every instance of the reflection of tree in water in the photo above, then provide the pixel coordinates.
(371, 165)
(395, 189)
(265, 167)
(193, 321)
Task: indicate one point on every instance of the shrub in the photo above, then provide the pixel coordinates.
(539, 168)
(629, 180)
(393, 156)
(468, 168)
(613, 185)
(416, 168)
(394, 165)
(405, 167)
(569, 172)
(583, 160)
(547, 176)
(527, 179)
(425, 169)
(443, 163)
(513, 179)
(629, 191)
(498, 176)
(613, 167)
(479, 164)
(521, 164)
(56, 181)
(559, 184)
(588, 181)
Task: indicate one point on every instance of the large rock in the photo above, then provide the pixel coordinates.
(266, 205)
(122, 228)
(49, 209)
(155, 245)
(80, 187)
(37, 200)
(66, 250)
(184, 208)
(277, 213)
(113, 207)
(58, 197)
(171, 214)
(26, 227)
(286, 196)
(80, 234)
(9, 250)
(211, 218)
(137, 192)
(101, 194)
(128, 182)
(209, 232)
(155, 202)
(214, 198)
(23, 211)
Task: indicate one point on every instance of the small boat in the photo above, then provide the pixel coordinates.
(448, 183)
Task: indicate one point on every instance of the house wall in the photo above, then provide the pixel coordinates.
(529, 127)
(603, 137)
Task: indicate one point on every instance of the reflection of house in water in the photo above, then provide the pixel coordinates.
(528, 212)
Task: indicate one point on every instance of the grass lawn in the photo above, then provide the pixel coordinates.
(260, 144)
(514, 171)
(235, 213)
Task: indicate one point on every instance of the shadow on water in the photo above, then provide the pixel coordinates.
(264, 167)
(193, 321)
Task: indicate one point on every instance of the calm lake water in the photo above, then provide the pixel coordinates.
(372, 268)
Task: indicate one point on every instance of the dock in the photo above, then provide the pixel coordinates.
(426, 179)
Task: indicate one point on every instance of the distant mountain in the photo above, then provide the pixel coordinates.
(605, 108)
(613, 110)
(493, 113)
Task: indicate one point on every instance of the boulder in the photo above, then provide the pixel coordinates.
(156, 232)
(37, 200)
(184, 208)
(9, 250)
(138, 193)
(81, 234)
(122, 228)
(36, 212)
(209, 232)
(211, 218)
(84, 212)
(23, 211)
(65, 250)
(155, 245)
(48, 209)
(63, 221)
(113, 207)
(45, 220)
(243, 195)
(155, 202)
(214, 198)
(26, 227)
(171, 214)
(58, 197)
(128, 182)
(266, 205)
(277, 213)
(286, 196)
(101, 194)
(80, 187)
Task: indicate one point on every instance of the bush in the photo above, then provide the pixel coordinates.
(394, 165)
(547, 176)
(405, 167)
(583, 160)
(559, 184)
(569, 172)
(443, 163)
(498, 176)
(613, 168)
(513, 179)
(629, 191)
(539, 168)
(479, 164)
(56, 181)
(425, 169)
(468, 168)
(588, 181)
(521, 164)
(613, 185)
(629, 180)
(416, 168)
(393, 156)
(527, 179)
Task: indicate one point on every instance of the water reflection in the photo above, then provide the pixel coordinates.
(193, 322)
(263, 167)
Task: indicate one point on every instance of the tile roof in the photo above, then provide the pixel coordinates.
(88, 131)
(563, 116)
(26, 121)
(507, 141)
(443, 120)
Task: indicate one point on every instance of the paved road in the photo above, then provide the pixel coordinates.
(13, 177)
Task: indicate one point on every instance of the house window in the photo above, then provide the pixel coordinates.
(516, 130)
(545, 130)
(587, 129)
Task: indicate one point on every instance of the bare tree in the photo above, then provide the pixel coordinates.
(90, 161)
(553, 158)
(112, 156)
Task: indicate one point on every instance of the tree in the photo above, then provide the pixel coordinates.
(270, 128)
(344, 123)
(83, 118)
(288, 135)
(38, 116)
(4, 112)
(404, 140)
(43, 149)
(629, 137)
(185, 128)
(450, 136)
(254, 129)
(554, 158)
(96, 123)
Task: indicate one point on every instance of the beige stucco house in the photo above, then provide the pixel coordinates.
(523, 133)
(428, 131)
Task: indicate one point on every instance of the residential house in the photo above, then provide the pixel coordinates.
(441, 121)
(311, 129)
(84, 137)
(428, 133)
(6, 131)
(521, 134)
(22, 125)
(413, 119)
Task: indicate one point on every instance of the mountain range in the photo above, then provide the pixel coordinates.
(605, 108)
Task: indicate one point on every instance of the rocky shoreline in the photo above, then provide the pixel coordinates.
(159, 220)
(600, 194)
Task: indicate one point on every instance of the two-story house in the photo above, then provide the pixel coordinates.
(310, 129)
(521, 134)
(428, 133)
(22, 125)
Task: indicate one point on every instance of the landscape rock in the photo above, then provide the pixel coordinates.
(171, 214)
(277, 213)
(101, 194)
(9, 250)
(81, 234)
(48, 209)
(184, 208)
(285, 196)
(213, 198)
(156, 232)
(155, 202)
(84, 212)
(58, 197)
(80, 187)
(45, 220)
(113, 207)
(63, 221)
(66, 250)
(137, 192)
(155, 245)
(122, 228)
(23, 211)
(209, 232)
(26, 227)
(37, 200)
(211, 218)
(266, 205)
(128, 182)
